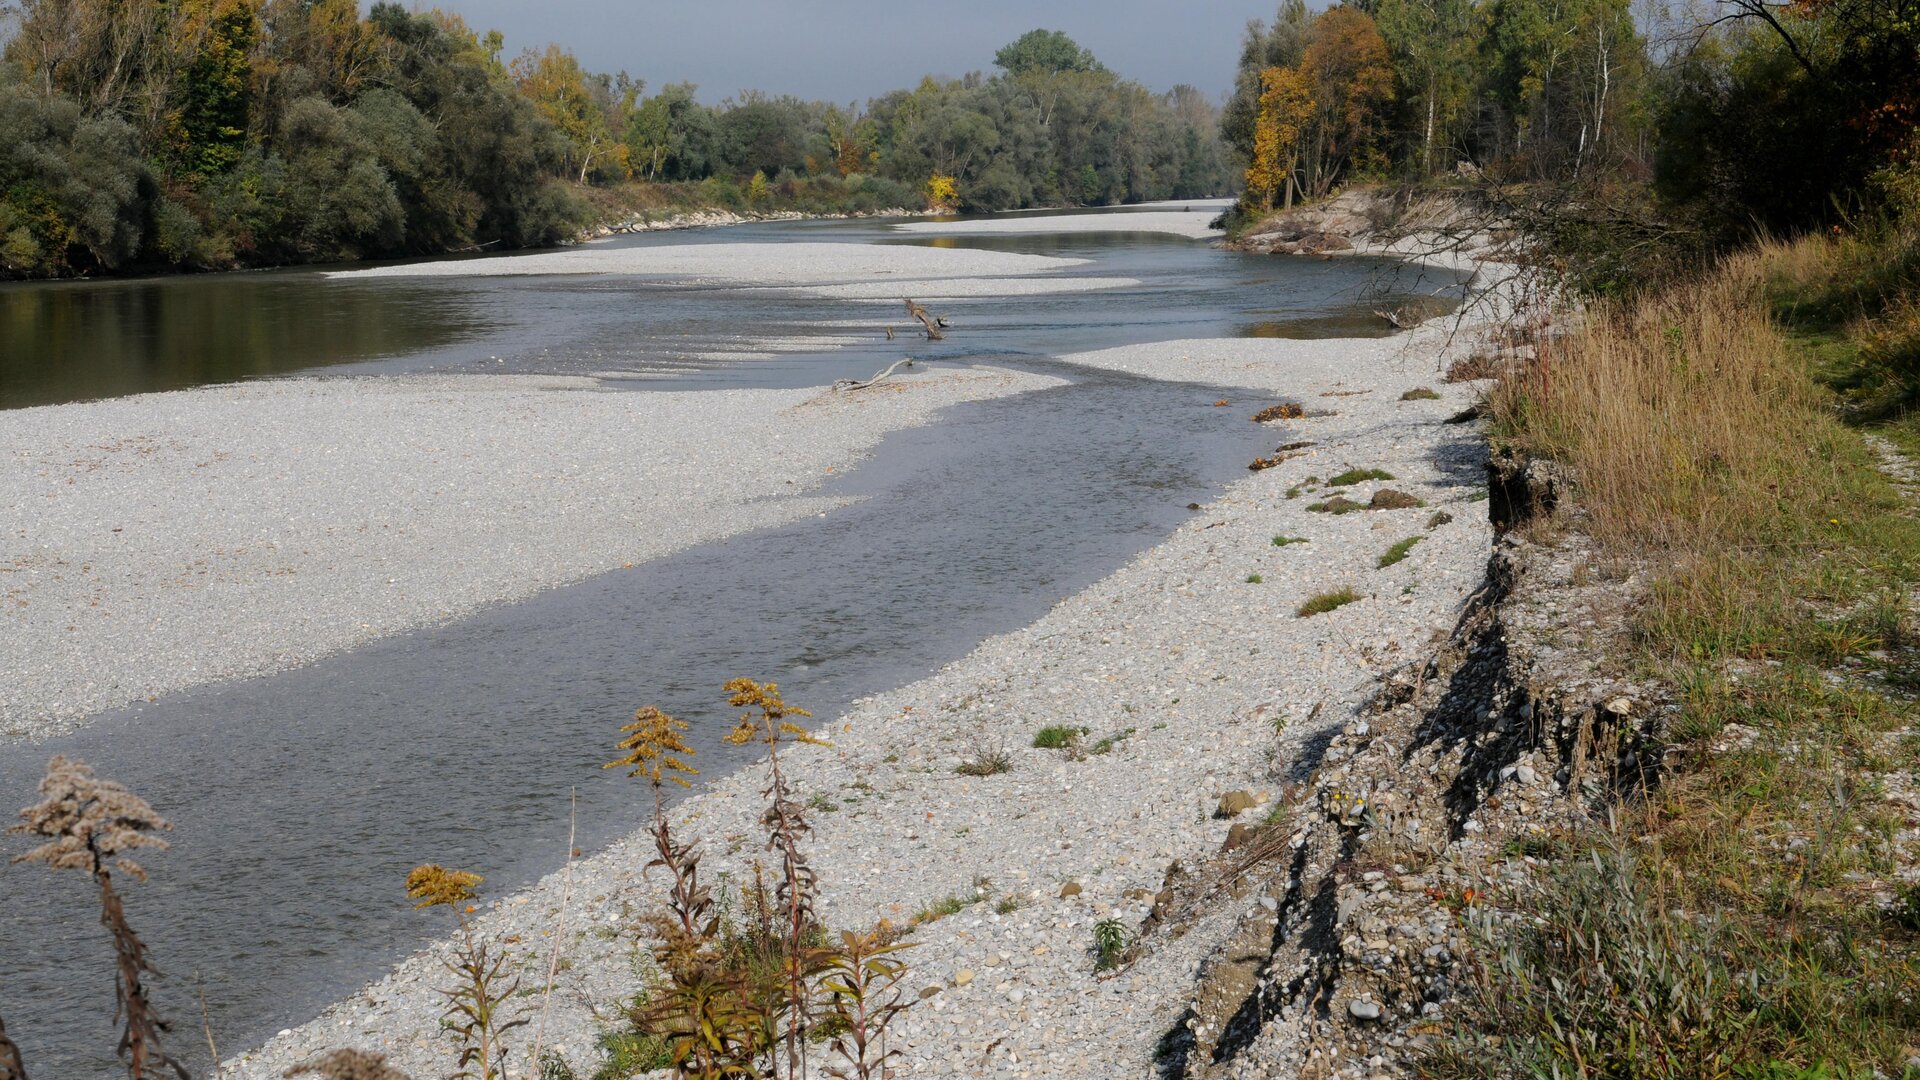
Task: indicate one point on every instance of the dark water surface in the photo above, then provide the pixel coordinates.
(301, 799)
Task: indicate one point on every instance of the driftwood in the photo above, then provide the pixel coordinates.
(933, 325)
(1405, 317)
(856, 384)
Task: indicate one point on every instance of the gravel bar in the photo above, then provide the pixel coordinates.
(1184, 666)
(158, 542)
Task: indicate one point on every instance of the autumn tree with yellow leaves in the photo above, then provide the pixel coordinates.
(1286, 105)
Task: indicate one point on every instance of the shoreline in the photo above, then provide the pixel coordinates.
(1177, 638)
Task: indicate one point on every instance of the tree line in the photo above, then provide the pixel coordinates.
(1703, 126)
(139, 134)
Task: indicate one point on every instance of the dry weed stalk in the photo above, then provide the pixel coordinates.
(766, 721)
(559, 929)
(87, 823)
(707, 1016)
(474, 1005)
(736, 993)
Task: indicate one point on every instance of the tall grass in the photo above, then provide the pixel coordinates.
(1710, 445)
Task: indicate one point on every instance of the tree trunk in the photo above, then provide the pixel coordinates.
(1426, 153)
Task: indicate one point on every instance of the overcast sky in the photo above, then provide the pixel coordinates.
(851, 50)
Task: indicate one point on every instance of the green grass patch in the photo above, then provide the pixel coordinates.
(1398, 552)
(1283, 541)
(1321, 603)
(1337, 505)
(1057, 737)
(1254, 579)
(1358, 476)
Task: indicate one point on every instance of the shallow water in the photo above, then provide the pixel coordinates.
(301, 799)
(76, 341)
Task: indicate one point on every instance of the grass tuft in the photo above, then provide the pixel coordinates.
(1057, 737)
(1321, 603)
(1398, 552)
(1358, 476)
(1283, 541)
(1420, 393)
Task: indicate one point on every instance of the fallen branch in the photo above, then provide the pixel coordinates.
(933, 325)
(855, 384)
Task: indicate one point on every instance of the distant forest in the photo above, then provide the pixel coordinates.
(219, 133)
(142, 134)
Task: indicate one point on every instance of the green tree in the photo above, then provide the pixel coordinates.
(557, 85)
(207, 126)
(1045, 51)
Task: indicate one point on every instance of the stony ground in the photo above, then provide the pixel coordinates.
(162, 541)
(1192, 681)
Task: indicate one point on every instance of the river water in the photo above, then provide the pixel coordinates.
(301, 799)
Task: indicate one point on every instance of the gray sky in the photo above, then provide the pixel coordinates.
(850, 50)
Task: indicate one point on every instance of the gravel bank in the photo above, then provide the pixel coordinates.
(1181, 660)
(158, 542)
(1194, 224)
(785, 265)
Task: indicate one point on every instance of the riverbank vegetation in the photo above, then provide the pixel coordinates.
(1726, 212)
(220, 133)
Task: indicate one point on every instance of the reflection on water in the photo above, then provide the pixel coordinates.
(71, 341)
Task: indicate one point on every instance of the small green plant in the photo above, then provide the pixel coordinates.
(1337, 505)
(1254, 579)
(1321, 603)
(819, 801)
(862, 985)
(1439, 518)
(945, 906)
(1283, 541)
(1108, 742)
(1008, 904)
(1420, 393)
(1057, 737)
(631, 1053)
(1358, 476)
(1398, 552)
(482, 982)
(1906, 906)
(1109, 944)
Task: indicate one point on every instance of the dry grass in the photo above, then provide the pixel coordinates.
(1706, 451)
(1671, 410)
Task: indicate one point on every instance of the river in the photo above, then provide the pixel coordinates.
(301, 799)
